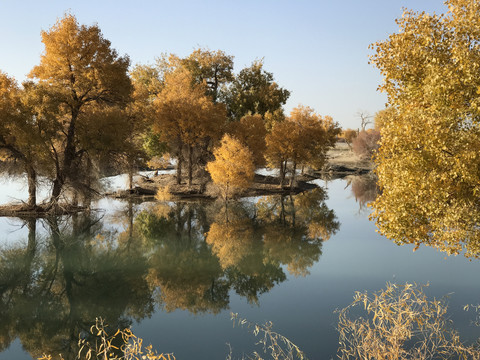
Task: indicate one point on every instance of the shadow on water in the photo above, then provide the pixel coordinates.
(185, 255)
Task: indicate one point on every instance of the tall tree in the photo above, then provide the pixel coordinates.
(78, 70)
(429, 159)
(254, 91)
(186, 118)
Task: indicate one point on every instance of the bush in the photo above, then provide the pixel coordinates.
(366, 143)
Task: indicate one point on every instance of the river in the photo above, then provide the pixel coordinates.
(174, 272)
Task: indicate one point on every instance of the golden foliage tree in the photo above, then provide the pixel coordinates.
(429, 160)
(250, 131)
(233, 168)
(78, 71)
(303, 139)
(186, 118)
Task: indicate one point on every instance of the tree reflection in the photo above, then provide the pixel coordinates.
(182, 255)
(181, 266)
(295, 227)
(364, 188)
(52, 290)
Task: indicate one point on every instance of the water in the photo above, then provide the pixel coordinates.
(175, 271)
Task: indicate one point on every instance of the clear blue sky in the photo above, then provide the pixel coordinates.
(316, 49)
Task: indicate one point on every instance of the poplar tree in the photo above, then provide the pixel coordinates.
(429, 157)
(78, 73)
(186, 118)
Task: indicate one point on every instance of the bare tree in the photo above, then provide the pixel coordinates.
(365, 117)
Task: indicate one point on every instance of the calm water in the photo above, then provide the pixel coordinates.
(175, 271)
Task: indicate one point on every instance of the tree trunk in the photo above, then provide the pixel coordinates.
(179, 169)
(57, 189)
(294, 171)
(32, 186)
(65, 170)
(130, 178)
(190, 165)
(282, 174)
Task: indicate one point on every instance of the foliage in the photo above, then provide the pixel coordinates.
(349, 135)
(233, 168)
(254, 91)
(214, 68)
(20, 136)
(272, 118)
(186, 118)
(251, 132)
(78, 75)
(399, 323)
(429, 159)
(276, 345)
(383, 117)
(163, 193)
(301, 140)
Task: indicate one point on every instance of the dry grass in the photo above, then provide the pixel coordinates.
(122, 345)
(343, 155)
(274, 345)
(400, 323)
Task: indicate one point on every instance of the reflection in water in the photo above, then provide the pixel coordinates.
(187, 256)
(52, 290)
(364, 188)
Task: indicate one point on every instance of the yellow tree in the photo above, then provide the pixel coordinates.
(186, 118)
(233, 168)
(280, 146)
(20, 134)
(429, 159)
(303, 139)
(78, 70)
(251, 132)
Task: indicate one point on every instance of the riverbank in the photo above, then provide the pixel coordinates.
(341, 162)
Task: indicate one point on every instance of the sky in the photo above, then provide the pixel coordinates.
(317, 49)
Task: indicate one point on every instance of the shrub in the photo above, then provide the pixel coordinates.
(366, 143)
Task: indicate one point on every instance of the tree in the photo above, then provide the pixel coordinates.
(233, 168)
(212, 67)
(77, 72)
(349, 135)
(303, 139)
(429, 160)
(365, 119)
(254, 91)
(251, 132)
(186, 118)
(20, 135)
